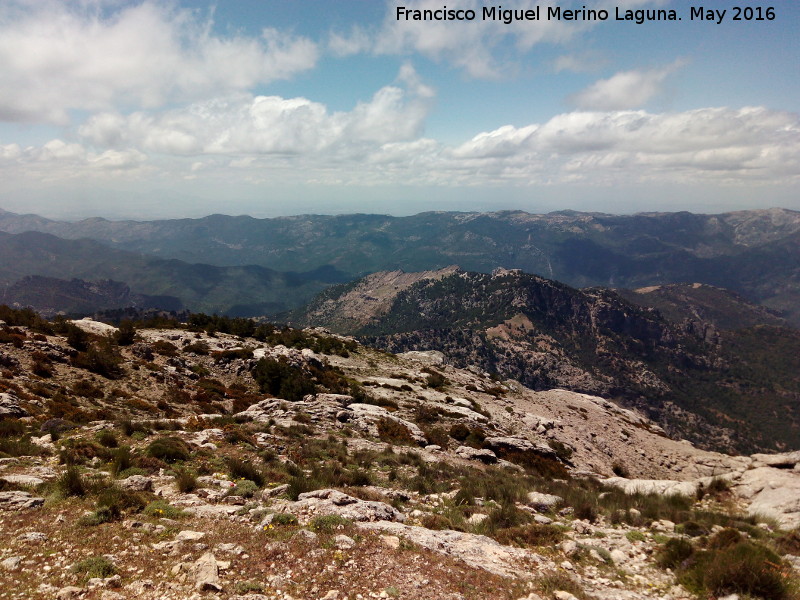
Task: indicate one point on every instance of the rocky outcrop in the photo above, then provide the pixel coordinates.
(16, 500)
(477, 551)
(10, 408)
(334, 502)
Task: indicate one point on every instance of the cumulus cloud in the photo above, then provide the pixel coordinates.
(60, 56)
(246, 124)
(628, 89)
(481, 48)
(706, 144)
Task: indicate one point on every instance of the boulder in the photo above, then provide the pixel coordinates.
(136, 483)
(16, 500)
(543, 502)
(515, 444)
(478, 551)
(10, 408)
(334, 502)
(205, 573)
(772, 492)
(664, 487)
(22, 479)
(483, 455)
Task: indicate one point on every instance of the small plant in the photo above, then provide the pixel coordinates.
(107, 438)
(244, 488)
(619, 469)
(71, 483)
(121, 460)
(185, 480)
(94, 566)
(240, 469)
(168, 449)
(247, 587)
(162, 509)
(635, 536)
(393, 432)
(284, 519)
(329, 523)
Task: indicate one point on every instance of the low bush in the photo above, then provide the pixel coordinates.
(531, 535)
(393, 432)
(94, 566)
(162, 509)
(107, 438)
(169, 449)
(240, 469)
(329, 523)
(70, 483)
(185, 480)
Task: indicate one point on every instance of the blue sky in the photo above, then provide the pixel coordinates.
(275, 107)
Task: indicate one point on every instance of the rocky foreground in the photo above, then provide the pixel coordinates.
(196, 464)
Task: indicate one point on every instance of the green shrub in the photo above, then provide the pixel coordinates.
(329, 523)
(94, 566)
(168, 449)
(530, 535)
(107, 438)
(244, 488)
(121, 460)
(284, 519)
(240, 469)
(11, 428)
(185, 480)
(162, 509)
(635, 536)
(674, 553)
(393, 432)
(71, 483)
(744, 568)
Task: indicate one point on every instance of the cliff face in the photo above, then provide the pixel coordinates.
(694, 378)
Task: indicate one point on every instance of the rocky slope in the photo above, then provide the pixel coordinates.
(692, 377)
(164, 468)
(755, 253)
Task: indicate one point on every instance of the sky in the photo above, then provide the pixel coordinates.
(143, 110)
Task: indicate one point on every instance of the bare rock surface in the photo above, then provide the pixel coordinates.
(477, 551)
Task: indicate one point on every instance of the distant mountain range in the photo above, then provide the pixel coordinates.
(709, 365)
(754, 253)
(53, 274)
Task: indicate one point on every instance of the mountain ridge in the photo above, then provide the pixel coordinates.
(755, 253)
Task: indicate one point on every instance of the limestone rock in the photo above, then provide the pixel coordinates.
(12, 563)
(22, 479)
(16, 500)
(10, 408)
(334, 502)
(477, 551)
(543, 502)
(482, 455)
(665, 487)
(205, 573)
(136, 483)
(518, 445)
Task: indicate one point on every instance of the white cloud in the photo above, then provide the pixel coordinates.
(60, 56)
(718, 144)
(245, 124)
(628, 89)
(482, 48)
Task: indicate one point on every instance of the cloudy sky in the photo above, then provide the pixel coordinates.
(275, 107)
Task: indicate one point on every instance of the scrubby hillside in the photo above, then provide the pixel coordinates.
(734, 389)
(244, 461)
